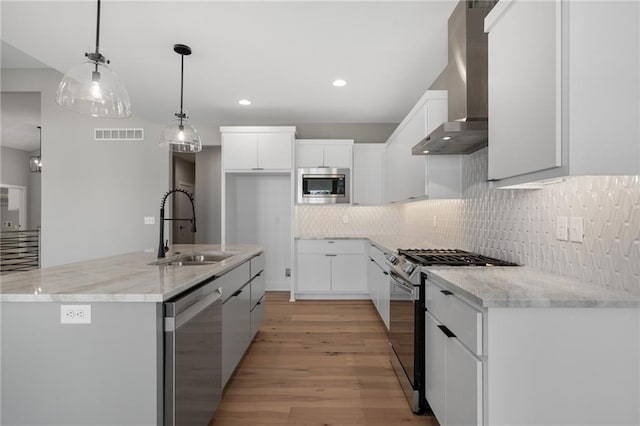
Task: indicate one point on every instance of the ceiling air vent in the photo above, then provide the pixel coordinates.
(118, 134)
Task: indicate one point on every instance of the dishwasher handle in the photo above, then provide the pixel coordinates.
(172, 323)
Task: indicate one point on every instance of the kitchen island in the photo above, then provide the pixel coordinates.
(110, 369)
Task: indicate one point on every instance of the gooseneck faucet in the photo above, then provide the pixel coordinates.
(161, 247)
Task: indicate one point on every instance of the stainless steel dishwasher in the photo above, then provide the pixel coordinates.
(193, 355)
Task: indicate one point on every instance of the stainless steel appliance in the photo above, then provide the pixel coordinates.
(323, 185)
(193, 356)
(407, 328)
(467, 128)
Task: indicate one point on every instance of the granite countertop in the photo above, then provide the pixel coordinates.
(121, 278)
(522, 286)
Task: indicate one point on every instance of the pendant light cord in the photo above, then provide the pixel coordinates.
(98, 30)
(181, 86)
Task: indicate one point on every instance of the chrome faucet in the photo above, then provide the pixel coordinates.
(163, 248)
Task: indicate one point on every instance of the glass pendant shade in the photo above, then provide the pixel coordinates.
(181, 136)
(92, 88)
(35, 164)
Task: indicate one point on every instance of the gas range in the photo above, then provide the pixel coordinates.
(406, 262)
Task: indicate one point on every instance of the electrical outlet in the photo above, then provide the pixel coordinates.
(576, 229)
(562, 228)
(149, 220)
(287, 272)
(435, 221)
(345, 219)
(75, 314)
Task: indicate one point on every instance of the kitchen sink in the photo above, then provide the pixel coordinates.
(193, 259)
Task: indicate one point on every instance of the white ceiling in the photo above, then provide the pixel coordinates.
(282, 56)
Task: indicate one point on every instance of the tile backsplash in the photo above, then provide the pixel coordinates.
(514, 225)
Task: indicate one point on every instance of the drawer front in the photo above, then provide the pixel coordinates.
(378, 256)
(257, 316)
(234, 279)
(257, 288)
(331, 246)
(257, 264)
(459, 317)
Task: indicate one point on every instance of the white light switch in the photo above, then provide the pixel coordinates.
(149, 220)
(576, 229)
(562, 228)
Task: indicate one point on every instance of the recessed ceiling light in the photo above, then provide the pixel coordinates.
(446, 138)
(244, 102)
(339, 83)
(425, 152)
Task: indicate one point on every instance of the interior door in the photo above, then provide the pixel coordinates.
(182, 229)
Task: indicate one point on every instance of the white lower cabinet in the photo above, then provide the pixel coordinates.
(453, 372)
(378, 283)
(330, 268)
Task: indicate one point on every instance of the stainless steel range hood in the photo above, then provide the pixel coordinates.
(466, 75)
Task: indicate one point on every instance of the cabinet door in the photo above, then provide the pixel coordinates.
(236, 330)
(464, 385)
(435, 347)
(394, 189)
(524, 89)
(372, 280)
(309, 155)
(274, 151)
(367, 176)
(348, 273)
(338, 156)
(384, 299)
(313, 273)
(239, 151)
(413, 167)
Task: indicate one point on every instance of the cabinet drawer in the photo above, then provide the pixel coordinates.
(257, 264)
(257, 288)
(257, 316)
(378, 256)
(459, 317)
(234, 279)
(331, 246)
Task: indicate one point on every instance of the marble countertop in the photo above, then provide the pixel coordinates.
(121, 278)
(522, 286)
(516, 286)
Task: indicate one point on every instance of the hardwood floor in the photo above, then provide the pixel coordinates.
(316, 363)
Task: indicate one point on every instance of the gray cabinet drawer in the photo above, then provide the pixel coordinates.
(257, 264)
(331, 246)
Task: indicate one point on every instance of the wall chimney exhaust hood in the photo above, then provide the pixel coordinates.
(466, 75)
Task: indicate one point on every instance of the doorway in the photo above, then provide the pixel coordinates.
(184, 177)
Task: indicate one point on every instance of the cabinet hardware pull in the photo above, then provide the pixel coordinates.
(371, 259)
(257, 168)
(331, 255)
(446, 292)
(385, 272)
(446, 331)
(331, 242)
(236, 293)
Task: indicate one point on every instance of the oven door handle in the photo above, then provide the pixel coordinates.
(409, 289)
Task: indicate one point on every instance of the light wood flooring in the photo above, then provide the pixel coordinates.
(317, 363)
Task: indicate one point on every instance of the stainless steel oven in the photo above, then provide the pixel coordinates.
(406, 330)
(323, 185)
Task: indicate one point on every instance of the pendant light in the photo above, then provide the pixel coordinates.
(35, 161)
(180, 135)
(93, 88)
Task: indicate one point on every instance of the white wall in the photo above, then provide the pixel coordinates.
(94, 194)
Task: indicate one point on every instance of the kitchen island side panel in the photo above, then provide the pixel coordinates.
(563, 366)
(108, 372)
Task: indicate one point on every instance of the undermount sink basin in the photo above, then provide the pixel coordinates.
(193, 259)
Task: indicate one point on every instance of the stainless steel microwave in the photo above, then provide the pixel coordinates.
(323, 185)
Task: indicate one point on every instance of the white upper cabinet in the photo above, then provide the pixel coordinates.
(257, 148)
(368, 174)
(563, 90)
(324, 153)
(415, 177)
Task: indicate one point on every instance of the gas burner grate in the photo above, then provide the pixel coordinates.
(450, 257)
